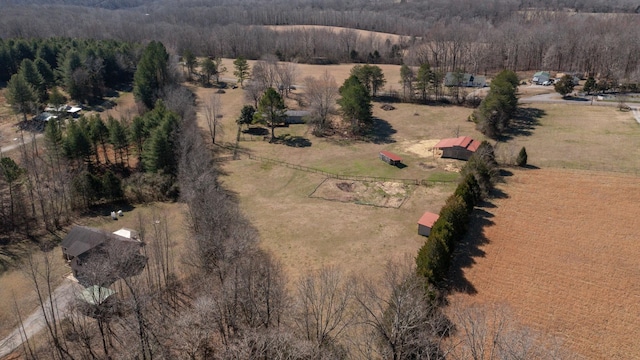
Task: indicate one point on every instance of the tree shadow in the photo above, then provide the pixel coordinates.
(381, 132)
(469, 249)
(523, 123)
(293, 141)
(256, 130)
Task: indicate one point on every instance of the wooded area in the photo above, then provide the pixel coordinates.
(476, 37)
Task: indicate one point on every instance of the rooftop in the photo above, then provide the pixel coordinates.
(428, 219)
(391, 155)
(462, 141)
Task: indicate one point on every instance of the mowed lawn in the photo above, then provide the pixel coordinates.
(562, 251)
(583, 137)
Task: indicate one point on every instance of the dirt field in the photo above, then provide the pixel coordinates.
(562, 252)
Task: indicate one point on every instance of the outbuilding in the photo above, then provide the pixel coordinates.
(390, 158)
(426, 223)
(458, 148)
(296, 116)
(540, 77)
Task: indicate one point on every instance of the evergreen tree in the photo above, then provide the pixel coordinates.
(118, 138)
(246, 115)
(20, 94)
(99, 136)
(565, 85)
(407, 78)
(208, 69)
(355, 104)
(111, 186)
(522, 157)
(590, 85)
(30, 73)
(151, 74)
(190, 62)
(370, 76)
(423, 79)
(271, 110)
(241, 70)
(73, 75)
(45, 71)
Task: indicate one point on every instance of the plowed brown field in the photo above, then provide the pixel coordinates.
(562, 249)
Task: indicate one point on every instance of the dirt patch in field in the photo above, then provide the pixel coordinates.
(422, 148)
(382, 194)
(561, 249)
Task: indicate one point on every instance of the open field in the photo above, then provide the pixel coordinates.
(306, 233)
(561, 250)
(373, 35)
(582, 137)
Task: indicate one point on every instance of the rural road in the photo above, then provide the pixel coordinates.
(62, 297)
(27, 139)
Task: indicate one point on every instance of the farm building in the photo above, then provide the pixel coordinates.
(458, 148)
(296, 116)
(89, 249)
(390, 158)
(463, 79)
(426, 223)
(540, 77)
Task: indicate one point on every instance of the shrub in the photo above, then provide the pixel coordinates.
(522, 157)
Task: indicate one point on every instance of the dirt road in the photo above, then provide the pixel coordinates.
(61, 298)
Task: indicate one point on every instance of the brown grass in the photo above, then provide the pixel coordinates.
(583, 137)
(374, 35)
(562, 251)
(15, 285)
(306, 233)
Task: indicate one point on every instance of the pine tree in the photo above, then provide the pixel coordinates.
(522, 157)
(355, 105)
(271, 109)
(20, 94)
(151, 74)
(241, 70)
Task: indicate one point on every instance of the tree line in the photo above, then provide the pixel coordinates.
(474, 37)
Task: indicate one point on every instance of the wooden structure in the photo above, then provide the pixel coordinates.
(458, 148)
(426, 223)
(390, 158)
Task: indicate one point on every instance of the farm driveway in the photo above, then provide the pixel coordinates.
(34, 323)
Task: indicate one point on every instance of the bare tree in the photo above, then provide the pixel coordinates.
(399, 318)
(324, 307)
(321, 94)
(213, 114)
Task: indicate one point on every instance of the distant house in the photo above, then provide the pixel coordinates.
(426, 223)
(390, 158)
(296, 116)
(464, 79)
(458, 148)
(540, 77)
(98, 257)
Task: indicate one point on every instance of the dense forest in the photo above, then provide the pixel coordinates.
(595, 37)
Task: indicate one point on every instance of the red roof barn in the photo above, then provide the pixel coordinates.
(390, 158)
(458, 148)
(426, 223)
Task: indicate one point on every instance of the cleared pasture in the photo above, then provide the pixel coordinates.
(561, 250)
(581, 137)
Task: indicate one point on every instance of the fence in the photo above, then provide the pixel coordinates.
(266, 160)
